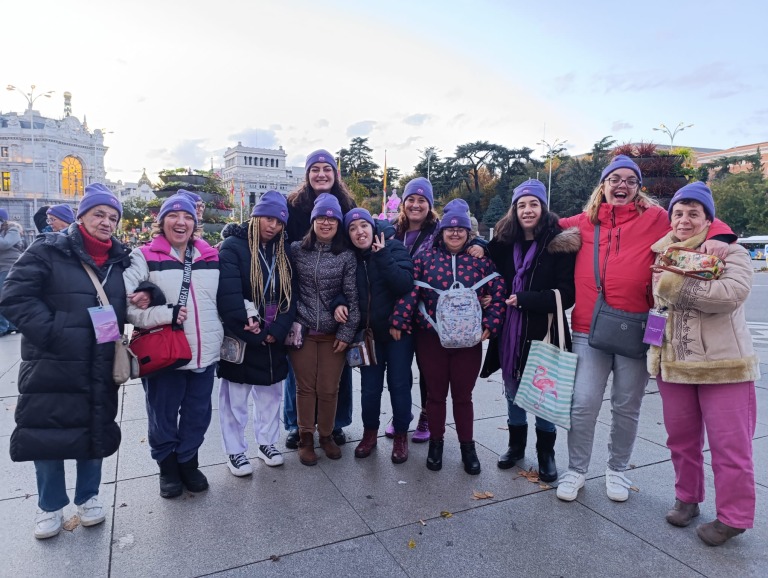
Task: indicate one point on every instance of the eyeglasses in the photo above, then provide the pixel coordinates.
(327, 220)
(455, 231)
(616, 181)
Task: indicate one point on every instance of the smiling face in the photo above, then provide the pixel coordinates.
(321, 177)
(528, 210)
(621, 187)
(361, 233)
(455, 238)
(325, 228)
(416, 208)
(100, 222)
(268, 228)
(178, 227)
(688, 219)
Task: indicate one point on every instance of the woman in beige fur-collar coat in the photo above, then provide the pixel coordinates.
(706, 370)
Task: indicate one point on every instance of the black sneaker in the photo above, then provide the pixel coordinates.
(339, 436)
(292, 440)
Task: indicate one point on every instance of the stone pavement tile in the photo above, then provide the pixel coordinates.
(238, 521)
(363, 556)
(10, 347)
(643, 515)
(81, 552)
(9, 379)
(533, 536)
(761, 396)
(7, 410)
(375, 489)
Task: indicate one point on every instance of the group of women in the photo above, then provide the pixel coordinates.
(305, 278)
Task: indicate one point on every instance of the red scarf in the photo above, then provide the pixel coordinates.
(98, 250)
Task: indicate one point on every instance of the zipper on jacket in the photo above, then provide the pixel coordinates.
(317, 293)
(618, 240)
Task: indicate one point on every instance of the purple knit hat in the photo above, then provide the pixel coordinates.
(326, 205)
(97, 194)
(321, 156)
(456, 214)
(62, 212)
(272, 204)
(532, 188)
(621, 162)
(419, 186)
(358, 213)
(194, 196)
(4, 214)
(177, 202)
(696, 191)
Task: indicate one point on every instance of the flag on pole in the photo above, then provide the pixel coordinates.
(232, 191)
(242, 201)
(384, 188)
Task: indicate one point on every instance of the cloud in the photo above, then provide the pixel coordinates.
(564, 83)
(417, 119)
(322, 123)
(619, 125)
(264, 138)
(712, 76)
(189, 153)
(362, 128)
(408, 144)
(141, 98)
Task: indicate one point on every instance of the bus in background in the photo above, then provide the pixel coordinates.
(757, 246)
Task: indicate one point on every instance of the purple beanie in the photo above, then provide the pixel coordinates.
(177, 202)
(532, 188)
(321, 156)
(456, 214)
(194, 196)
(4, 214)
(696, 191)
(272, 204)
(358, 213)
(62, 212)
(326, 205)
(97, 194)
(621, 162)
(419, 186)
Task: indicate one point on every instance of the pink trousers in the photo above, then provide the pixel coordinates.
(728, 412)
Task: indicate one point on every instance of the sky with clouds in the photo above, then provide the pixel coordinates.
(175, 83)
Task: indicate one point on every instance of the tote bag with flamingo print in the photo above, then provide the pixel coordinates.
(546, 387)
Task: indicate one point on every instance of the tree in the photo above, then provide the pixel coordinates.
(465, 167)
(134, 211)
(357, 160)
(576, 178)
(741, 200)
(497, 208)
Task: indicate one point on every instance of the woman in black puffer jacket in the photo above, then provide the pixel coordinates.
(257, 304)
(68, 399)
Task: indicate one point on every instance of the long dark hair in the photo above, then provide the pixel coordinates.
(338, 243)
(304, 197)
(509, 231)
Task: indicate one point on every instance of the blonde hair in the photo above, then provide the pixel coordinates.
(156, 229)
(282, 264)
(597, 198)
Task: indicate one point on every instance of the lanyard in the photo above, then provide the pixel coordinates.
(270, 268)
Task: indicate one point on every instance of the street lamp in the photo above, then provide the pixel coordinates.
(429, 152)
(553, 150)
(31, 98)
(672, 133)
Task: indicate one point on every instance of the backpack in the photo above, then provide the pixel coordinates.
(458, 312)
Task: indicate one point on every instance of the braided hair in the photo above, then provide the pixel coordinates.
(282, 264)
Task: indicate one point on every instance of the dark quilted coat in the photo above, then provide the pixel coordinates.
(68, 400)
(264, 363)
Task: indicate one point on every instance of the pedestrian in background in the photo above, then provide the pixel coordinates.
(11, 248)
(59, 217)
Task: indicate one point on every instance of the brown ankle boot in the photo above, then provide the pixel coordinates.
(366, 445)
(716, 533)
(400, 448)
(332, 451)
(682, 513)
(307, 455)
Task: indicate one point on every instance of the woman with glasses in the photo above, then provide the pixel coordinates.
(325, 268)
(630, 222)
(455, 369)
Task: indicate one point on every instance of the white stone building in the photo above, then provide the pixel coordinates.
(253, 171)
(141, 190)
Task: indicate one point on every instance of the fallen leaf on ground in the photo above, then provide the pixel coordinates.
(274, 557)
(72, 523)
(544, 486)
(531, 475)
(481, 495)
(411, 543)
(142, 440)
(446, 514)
(634, 488)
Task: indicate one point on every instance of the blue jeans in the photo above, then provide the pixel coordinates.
(343, 404)
(179, 410)
(52, 488)
(395, 357)
(518, 416)
(5, 324)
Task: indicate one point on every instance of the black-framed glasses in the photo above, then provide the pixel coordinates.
(615, 181)
(454, 231)
(327, 220)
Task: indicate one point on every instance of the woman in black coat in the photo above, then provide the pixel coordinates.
(256, 304)
(534, 255)
(384, 275)
(67, 397)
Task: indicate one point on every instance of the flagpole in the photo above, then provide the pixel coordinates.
(384, 188)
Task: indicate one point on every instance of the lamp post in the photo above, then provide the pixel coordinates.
(429, 152)
(553, 150)
(31, 98)
(673, 132)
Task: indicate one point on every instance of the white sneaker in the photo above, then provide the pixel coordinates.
(271, 455)
(617, 486)
(569, 484)
(48, 524)
(239, 465)
(91, 513)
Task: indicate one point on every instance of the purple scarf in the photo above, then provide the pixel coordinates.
(513, 326)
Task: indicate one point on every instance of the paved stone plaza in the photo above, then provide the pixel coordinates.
(370, 518)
